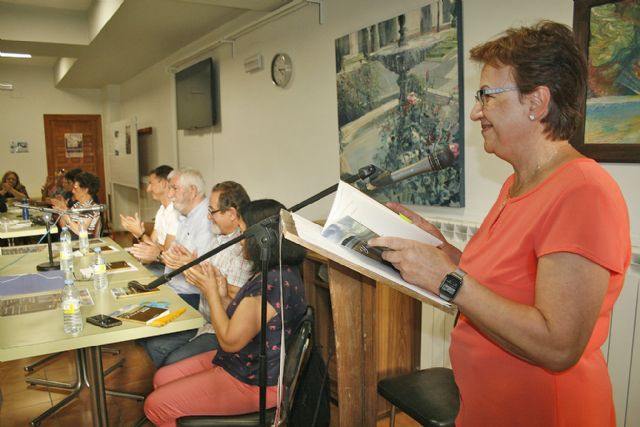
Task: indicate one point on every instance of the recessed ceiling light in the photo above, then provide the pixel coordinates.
(15, 55)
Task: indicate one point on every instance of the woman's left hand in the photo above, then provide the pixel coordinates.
(420, 264)
(207, 278)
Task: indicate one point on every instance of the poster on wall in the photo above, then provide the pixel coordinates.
(400, 105)
(73, 145)
(19, 147)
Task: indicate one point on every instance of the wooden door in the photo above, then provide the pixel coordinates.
(75, 141)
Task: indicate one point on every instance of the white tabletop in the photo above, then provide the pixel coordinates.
(12, 225)
(35, 334)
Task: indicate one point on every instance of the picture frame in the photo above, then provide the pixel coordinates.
(611, 105)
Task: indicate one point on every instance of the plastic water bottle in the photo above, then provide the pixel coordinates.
(66, 252)
(100, 280)
(71, 309)
(83, 237)
(25, 211)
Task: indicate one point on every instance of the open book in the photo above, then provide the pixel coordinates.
(355, 218)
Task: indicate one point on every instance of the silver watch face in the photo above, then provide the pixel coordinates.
(281, 69)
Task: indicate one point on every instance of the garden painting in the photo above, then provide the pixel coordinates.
(613, 97)
(399, 85)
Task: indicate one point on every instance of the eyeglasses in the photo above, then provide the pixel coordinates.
(212, 211)
(481, 95)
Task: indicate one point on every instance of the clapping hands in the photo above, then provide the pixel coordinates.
(207, 278)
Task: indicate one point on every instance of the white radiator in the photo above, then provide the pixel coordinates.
(622, 349)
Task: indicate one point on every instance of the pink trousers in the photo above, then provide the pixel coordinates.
(195, 386)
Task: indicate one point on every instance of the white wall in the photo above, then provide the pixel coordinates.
(283, 143)
(21, 118)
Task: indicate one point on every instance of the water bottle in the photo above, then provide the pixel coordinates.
(100, 280)
(71, 309)
(25, 211)
(66, 252)
(83, 237)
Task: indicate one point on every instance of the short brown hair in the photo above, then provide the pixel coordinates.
(545, 54)
(232, 195)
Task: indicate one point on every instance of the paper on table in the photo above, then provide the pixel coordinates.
(31, 283)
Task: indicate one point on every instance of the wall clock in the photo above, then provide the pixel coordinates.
(281, 69)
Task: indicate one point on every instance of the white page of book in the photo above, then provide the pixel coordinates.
(310, 232)
(349, 201)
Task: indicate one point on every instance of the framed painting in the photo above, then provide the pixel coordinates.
(400, 104)
(609, 33)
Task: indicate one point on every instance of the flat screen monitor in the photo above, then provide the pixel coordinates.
(195, 96)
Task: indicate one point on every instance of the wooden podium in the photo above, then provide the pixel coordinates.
(376, 323)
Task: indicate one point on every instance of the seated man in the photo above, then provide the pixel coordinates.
(194, 233)
(149, 248)
(224, 211)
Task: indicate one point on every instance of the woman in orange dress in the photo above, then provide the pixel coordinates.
(536, 284)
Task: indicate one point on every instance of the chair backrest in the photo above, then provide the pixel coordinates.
(298, 352)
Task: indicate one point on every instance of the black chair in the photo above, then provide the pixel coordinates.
(429, 396)
(298, 352)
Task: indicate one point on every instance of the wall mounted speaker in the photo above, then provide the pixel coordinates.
(253, 64)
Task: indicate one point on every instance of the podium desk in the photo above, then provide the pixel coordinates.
(376, 330)
(40, 333)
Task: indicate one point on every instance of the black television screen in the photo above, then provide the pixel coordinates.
(195, 96)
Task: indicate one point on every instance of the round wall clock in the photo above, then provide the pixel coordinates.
(281, 69)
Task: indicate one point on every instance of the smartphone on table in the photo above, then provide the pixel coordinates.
(104, 321)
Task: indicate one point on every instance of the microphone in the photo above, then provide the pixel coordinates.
(432, 162)
(95, 208)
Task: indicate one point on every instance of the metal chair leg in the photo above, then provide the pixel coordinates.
(392, 417)
(64, 402)
(34, 365)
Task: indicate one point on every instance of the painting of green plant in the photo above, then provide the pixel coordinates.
(613, 98)
(399, 102)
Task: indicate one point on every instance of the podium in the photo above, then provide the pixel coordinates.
(376, 323)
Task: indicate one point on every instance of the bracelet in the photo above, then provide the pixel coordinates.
(139, 238)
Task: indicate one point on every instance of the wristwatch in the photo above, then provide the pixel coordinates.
(451, 284)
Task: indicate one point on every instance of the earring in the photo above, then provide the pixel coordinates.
(532, 117)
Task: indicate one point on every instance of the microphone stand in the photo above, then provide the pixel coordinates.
(47, 266)
(265, 233)
(47, 216)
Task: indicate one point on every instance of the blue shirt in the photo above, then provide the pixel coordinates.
(194, 232)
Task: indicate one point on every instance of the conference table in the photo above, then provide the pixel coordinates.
(40, 333)
(13, 226)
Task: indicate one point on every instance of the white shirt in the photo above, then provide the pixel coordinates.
(166, 222)
(194, 233)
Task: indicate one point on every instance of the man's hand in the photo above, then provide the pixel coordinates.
(177, 256)
(132, 224)
(207, 278)
(145, 252)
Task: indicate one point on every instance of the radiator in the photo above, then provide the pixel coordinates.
(621, 350)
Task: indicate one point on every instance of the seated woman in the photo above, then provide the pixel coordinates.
(85, 187)
(53, 185)
(225, 382)
(11, 187)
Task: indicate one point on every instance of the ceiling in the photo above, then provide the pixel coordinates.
(105, 42)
